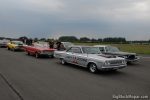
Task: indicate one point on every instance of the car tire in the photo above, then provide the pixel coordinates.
(51, 56)
(36, 55)
(114, 70)
(63, 62)
(8, 48)
(93, 68)
(13, 49)
(28, 53)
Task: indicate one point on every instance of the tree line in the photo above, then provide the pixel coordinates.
(83, 39)
(86, 39)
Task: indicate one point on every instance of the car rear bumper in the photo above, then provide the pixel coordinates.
(3, 45)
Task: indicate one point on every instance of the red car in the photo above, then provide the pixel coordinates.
(40, 49)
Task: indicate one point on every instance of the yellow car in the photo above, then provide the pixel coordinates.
(15, 45)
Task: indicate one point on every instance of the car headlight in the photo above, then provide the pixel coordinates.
(107, 63)
(40, 52)
(15, 47)
(124, 57)
(123, 62)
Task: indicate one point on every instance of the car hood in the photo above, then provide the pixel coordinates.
(123, 53)
(44, 48)
(104, 57)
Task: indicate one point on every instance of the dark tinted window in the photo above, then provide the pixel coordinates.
(101, 49)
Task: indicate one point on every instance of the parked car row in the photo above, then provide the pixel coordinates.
(98, 57)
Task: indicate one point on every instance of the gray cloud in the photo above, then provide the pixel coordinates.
(95, 18)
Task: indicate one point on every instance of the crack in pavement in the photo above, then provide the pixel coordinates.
(11, 86)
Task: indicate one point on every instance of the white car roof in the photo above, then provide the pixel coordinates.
(16, 41)
(101, 45)
(80, 46)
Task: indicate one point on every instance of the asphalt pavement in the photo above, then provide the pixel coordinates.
(24, 77)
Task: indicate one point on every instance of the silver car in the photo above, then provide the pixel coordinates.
(90, 57)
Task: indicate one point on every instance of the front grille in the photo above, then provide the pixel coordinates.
(131, 57)
(48, 52)
(116, 62)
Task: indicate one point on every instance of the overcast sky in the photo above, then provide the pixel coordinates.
(93, 18)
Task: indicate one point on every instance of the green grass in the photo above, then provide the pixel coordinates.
(135, 48)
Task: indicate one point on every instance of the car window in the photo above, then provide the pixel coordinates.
(101, 49)
(91, 50)
(67, 44)
(41, 45)
(17, 42)
(74, 50)
(69, 50)
(112, 49)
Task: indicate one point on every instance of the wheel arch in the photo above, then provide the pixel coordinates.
(91, 62)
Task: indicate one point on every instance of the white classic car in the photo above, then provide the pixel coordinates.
(3, 42)
(90, 57)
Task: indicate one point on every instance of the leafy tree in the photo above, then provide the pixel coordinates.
(36, 39)
(94, 40)
(43, 39)
(84, 39)
(100, 40)
(68, 38)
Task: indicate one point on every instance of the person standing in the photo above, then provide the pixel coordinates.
(51, 44)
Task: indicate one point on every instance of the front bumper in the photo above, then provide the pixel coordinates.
(112, 67)
(47, 53)
(133, 60)
(19, 48)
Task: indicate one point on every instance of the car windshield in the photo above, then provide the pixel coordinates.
(17, 42)
(4, 40)
(91, 50)
(67, 44)
(41, 45)
(112, 49)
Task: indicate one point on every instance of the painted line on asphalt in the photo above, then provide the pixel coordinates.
(146, 57)
(11, 86)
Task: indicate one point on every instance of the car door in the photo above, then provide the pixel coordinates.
(79, 57)
(102, 49)
(68, 57)
(11, 45)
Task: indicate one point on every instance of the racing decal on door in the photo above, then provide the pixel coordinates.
(75, 60)
(82, 59)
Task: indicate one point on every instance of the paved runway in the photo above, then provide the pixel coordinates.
(24, 77)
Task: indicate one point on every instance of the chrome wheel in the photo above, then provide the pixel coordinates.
(8, 48)
(37, 55)
(28, 53)
(62, 61)
(93, 68)
(13, 49)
